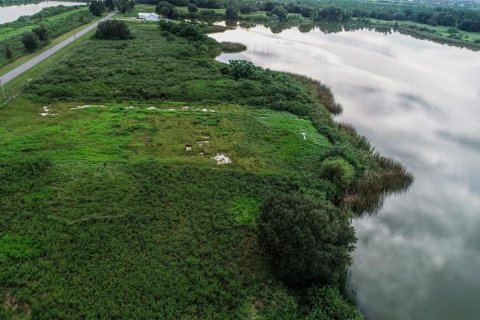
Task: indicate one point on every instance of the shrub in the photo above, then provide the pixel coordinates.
(41, 32)
(30, 41)
(242, 68)
(308, 241)
(8, 52)
(338, 171)
(113, 30)
(327, 303)
(183, 29)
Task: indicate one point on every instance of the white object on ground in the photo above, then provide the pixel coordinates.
(152, 108)
(46, 112)
(222, 159)
(171, 109)
(304, 136)
(129, 107)
(185, 108)
(87, 106)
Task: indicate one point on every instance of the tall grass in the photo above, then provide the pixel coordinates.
(322, 93)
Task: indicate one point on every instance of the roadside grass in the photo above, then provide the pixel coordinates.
(14, 85)
(11, 33)
(21, 60)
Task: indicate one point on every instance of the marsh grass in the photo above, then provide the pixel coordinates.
(232, 47)
(322, 93)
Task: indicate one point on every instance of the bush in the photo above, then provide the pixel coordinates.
(183, 29)
(8, 52)
(326, 303)
(113, 30)
(338, 171)
(308, 241)
(30, 41)
(41, 32)
(242, 68)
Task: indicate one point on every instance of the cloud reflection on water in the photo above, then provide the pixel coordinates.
(418, 102)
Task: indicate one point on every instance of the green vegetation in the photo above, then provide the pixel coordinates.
(47, 24)
(103, 203)
(233, 47)
(426, 22)
(308, 241)
(113, 30)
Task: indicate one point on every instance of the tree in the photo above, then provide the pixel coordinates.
(41, 32)
(122, 5)
(96, 8)
(192, 8)
(30, 41)
(280, 13)
(308, 241)
(109, 4)
(167, 10)
(113, 30)
(231, 13)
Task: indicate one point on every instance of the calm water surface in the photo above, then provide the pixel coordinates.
(12, 13)
(418, 102)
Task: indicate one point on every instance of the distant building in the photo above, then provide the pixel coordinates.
(148, 16)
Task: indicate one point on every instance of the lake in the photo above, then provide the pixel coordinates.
(419, 103)
(12, 13)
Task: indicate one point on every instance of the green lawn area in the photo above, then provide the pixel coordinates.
(106, 215)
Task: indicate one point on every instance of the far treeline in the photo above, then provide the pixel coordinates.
(465, 19)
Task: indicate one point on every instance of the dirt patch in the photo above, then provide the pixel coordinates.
(14, 305)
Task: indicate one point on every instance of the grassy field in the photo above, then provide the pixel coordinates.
(106, 215)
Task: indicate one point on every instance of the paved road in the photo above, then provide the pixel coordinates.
(44, 55)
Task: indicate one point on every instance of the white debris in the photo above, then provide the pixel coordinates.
(204, 110)
(129, 107)
(211, 110)
(222, 159)
(185, 108)
(87, 106)
(304, 136)
(171, 109)
(203, 142)
(152, 108)
(46, 112)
